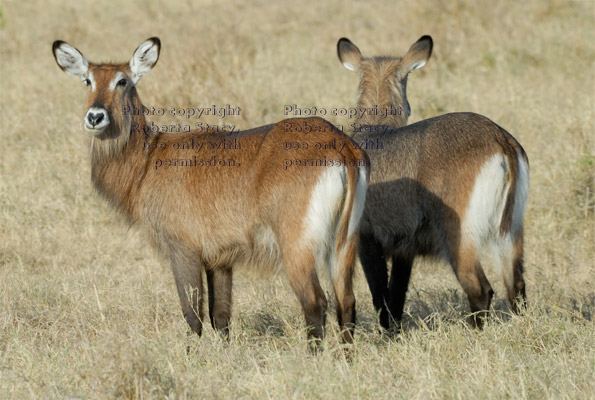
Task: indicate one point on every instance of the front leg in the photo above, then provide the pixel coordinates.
(188, 275)
(219, 281)
(371, 256)
(397, 287)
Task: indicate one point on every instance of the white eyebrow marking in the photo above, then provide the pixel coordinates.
(90, 78)
(115, 81)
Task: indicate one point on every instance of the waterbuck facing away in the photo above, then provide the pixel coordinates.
(233, 208)
(450, 187)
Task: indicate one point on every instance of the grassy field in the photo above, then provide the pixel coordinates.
(88, 310)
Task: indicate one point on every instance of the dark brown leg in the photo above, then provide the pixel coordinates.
(397, 288)
(188, 276)
(219, 282)
(371, 256)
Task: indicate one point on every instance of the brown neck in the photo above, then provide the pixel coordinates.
(383, 107)
(380, 92)
(117, 159)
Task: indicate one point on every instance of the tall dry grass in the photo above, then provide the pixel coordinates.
(88, 311)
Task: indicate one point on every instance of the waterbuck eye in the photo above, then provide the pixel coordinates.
(88, 82)
(122, 82)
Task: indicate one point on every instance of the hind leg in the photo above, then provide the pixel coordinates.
(371, 255)
(475, 284)
(397, 287)
(219, 282)
(342, 277)
(188, 276)
(512, 271)
(519, 301)
(301, 272)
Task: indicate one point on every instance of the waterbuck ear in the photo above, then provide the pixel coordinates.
(70, 59)
(419, 53)
(144, 58)
(349, 54)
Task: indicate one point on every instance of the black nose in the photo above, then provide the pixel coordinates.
(95, 119)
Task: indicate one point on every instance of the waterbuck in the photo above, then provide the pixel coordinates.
(449, 187)
(213, 208)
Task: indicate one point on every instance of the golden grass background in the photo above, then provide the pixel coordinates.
(87, 310)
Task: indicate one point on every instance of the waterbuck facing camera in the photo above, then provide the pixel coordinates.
(252, 213)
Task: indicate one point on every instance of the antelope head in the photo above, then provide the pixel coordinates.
(111, 86)
(383, 80)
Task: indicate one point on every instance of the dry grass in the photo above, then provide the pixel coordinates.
(88, 311)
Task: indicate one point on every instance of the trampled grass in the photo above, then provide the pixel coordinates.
(87, 310)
